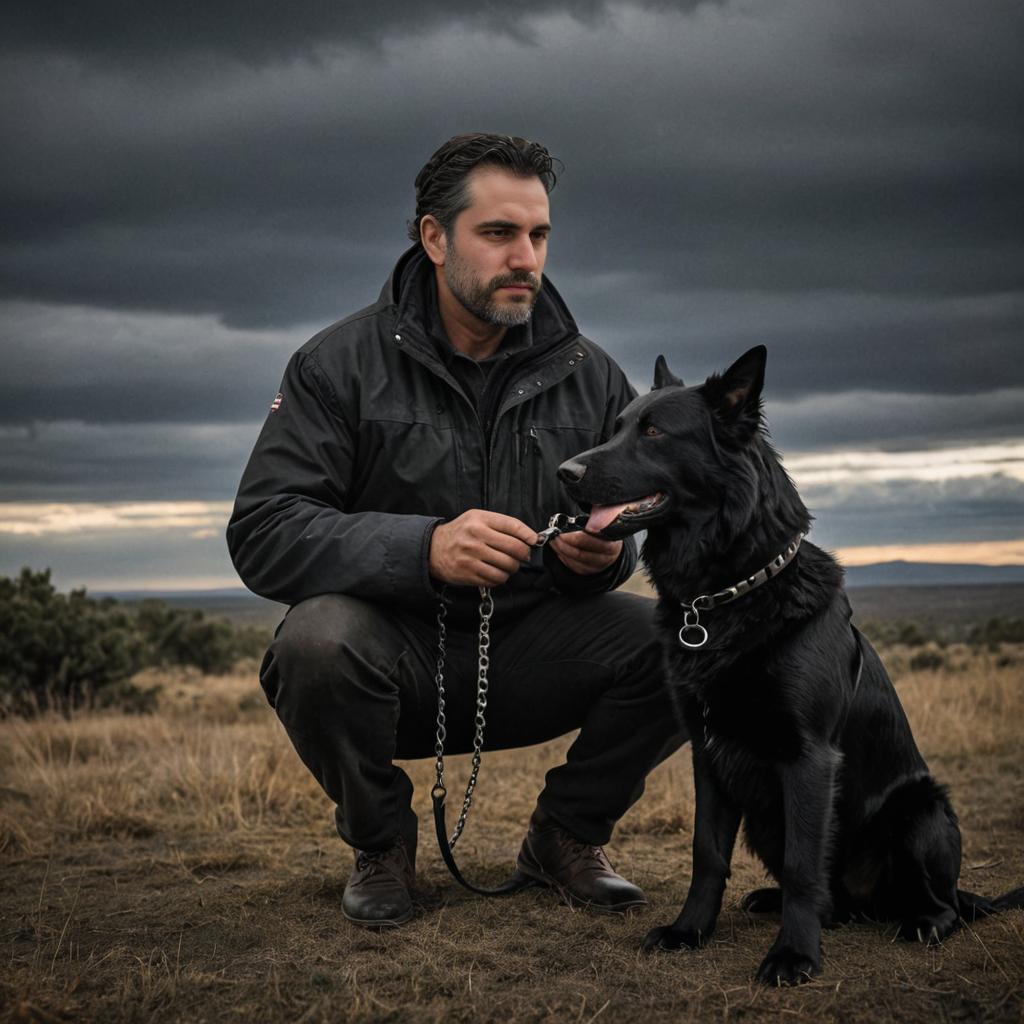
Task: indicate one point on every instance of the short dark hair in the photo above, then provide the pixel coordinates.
(441, 186)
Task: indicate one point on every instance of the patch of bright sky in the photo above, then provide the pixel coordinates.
(199, 518)
(933, 465)
(200, 522)
(999, 552)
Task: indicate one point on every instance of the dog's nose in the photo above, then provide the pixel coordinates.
(571, 471)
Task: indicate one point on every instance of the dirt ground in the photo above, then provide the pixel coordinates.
(183, 867)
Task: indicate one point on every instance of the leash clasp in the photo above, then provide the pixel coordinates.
(561, 522)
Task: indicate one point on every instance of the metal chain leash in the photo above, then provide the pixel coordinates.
(480, 721)
(442, 731)
(558, 524)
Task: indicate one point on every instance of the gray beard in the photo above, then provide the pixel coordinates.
(478, 298)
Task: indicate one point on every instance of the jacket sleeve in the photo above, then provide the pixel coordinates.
(619, 394)
(290, 536)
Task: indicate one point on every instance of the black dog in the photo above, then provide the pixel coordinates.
(796, 726)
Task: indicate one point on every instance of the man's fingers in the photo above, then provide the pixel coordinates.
(509, 545)
(584, 554)
(575, 559)
(509, 526)
(588, 542)
(506, 561)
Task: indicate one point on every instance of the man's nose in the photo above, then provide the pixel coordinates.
(523, 255)
(571, 471)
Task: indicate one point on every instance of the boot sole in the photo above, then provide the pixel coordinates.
(379, 924)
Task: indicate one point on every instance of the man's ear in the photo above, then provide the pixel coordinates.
(663, 376)
(433, 239)
(736, 394)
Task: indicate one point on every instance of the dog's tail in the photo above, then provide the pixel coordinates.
(973, 906)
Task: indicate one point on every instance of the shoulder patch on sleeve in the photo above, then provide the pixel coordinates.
(276, 403)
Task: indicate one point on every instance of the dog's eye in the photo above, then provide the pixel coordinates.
(651, 431)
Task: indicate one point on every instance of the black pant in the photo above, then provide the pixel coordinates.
(353, 683)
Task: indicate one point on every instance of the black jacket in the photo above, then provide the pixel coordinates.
(373, 443)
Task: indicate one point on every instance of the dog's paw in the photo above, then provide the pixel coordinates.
(762, 901)
(929, 929)
(669, 937)
(787, 966)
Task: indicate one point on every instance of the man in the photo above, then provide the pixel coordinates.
(407, 461)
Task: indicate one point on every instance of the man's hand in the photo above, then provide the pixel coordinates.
(584, 553)
(479, 549)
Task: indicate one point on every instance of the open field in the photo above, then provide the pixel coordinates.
(183, 867)
(947, 608)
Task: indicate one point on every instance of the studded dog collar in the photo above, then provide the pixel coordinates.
(705, 602)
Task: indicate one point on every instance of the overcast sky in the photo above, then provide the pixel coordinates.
(188, 195)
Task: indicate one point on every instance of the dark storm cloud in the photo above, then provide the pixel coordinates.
(892, 421)
(818, 342)
(770, 147)
(186, 197)
(74, 461)
(72, 363)
(824, 353)
(262, 31)
(916, 512)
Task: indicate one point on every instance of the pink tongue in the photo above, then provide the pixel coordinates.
(603, 515)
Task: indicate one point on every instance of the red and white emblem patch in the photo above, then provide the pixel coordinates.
(276, 403)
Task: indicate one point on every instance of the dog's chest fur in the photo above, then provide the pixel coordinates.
(742, 717)
(740, 709)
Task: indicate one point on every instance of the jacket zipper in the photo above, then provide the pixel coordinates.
(489, 439)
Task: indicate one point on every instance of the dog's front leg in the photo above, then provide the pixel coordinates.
(808, 796)
(716, 821)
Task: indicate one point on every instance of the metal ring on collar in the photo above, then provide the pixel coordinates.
(693, 626)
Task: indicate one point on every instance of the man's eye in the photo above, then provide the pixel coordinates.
(651, 431)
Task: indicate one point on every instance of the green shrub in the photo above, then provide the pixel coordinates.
(62, 651)
(900, 631)
(995, 631)
(928, 660)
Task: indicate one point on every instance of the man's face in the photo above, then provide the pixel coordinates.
(496, 249)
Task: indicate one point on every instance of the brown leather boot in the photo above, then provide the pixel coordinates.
(377, 894)
(580, 873)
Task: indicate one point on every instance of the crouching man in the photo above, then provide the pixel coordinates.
(408, 461)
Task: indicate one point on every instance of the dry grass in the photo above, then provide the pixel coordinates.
(183, 866)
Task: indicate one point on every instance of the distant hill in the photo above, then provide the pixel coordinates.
(235, 604)
(879, 574)
(917, 574)
(949, 594)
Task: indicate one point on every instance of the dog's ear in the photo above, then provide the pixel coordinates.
(663, 376)
(736, 394)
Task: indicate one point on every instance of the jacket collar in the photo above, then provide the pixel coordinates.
(408, 290)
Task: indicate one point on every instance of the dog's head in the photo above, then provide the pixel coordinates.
(667, 460)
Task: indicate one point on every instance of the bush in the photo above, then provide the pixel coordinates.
(998, 630)
(928, 660)
(183, 636)
(62, 651)
(900, 631)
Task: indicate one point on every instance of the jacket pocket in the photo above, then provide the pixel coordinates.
(541, 450)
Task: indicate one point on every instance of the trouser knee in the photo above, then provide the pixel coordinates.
(326, 653)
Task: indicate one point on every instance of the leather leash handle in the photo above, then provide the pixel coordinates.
(516, 882)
